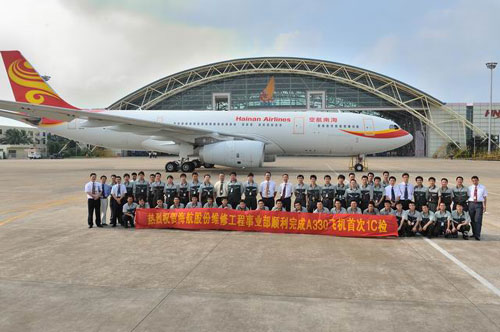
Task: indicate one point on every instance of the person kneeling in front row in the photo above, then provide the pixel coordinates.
(278, 206)
(129, 212)
(354, 209)
(320, 208)
(142, 204)
(371, 209)
(160, 204)
(261, 205)
(242, 206)
(194, 203)
(177, 204)
(210, 203)
(460, 222)
(297, 207)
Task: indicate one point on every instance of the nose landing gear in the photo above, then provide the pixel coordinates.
(358, 163)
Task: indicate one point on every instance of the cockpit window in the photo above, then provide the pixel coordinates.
(393, 126)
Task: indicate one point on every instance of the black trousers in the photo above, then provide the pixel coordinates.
(218, 201)
(328, 203)
(234, 201)
(287, 203)
(118, 212)
(126, 220)
(269, 202)
(405, 203)
(94, 207)
(251, 203)
(476, 217)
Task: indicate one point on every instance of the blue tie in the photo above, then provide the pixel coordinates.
(393, 195)
(406, 192)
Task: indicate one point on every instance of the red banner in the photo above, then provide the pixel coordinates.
(356, 225)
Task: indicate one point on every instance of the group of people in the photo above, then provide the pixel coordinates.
(430, 210)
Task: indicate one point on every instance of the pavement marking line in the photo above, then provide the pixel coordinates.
(464, 267)
(37, 205)
(42, 207)
(331, 169)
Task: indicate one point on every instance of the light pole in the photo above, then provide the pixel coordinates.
(490, 66)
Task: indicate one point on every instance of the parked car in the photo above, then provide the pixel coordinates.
(34, 155)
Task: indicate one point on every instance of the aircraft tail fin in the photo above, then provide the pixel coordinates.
(28, 86)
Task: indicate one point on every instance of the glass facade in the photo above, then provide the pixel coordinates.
(291, 92)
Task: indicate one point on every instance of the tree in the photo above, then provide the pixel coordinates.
(16, 137)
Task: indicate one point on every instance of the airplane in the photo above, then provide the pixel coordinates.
(238, 139)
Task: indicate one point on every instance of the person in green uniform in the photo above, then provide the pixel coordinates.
(328, 192)
(313, 193)
(460, 194)
(460, 222)
(420, 193)
(427, 222)
(432, 195)
(442, 217)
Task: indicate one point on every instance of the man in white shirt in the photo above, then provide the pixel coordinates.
(285, 192)
(118, 194)
(93, 190)
(268, 191)
(220, 189)
(477, 205)
(392, 192)
(406, 190)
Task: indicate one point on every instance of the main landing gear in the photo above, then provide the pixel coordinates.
(185, 165)
(358, 163)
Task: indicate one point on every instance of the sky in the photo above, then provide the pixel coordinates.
(97, 51)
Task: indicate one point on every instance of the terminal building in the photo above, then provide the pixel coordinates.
(283, 83)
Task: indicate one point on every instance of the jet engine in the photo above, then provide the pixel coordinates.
(233, 153)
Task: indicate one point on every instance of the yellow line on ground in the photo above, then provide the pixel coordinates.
(41, 204)
(39, 207)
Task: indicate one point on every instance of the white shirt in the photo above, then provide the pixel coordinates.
(482, 193)
(388, 194)
(288, 189)
(411, 189)
(123, 190)
(272, 189)
(88, 188)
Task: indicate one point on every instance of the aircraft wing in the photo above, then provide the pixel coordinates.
(97, 118)
(28, 119)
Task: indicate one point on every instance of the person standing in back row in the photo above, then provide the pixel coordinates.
(328, 192)
(106, 192)
(93, 190)
(220, 189)
(267, 191)
(234, 190)
(285, 192)
(477, 205)
(250, 188)
(406, 190)
(118, 194)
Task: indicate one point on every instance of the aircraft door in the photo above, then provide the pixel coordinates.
(368, 127)
(298, 125)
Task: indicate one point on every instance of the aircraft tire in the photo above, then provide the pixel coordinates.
(197, 163)
(171, 166)
(207, 165)
(187, 167)
(358, 167)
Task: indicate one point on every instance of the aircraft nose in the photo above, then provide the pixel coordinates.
(407, 137)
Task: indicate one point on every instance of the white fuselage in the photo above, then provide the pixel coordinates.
(293, 132)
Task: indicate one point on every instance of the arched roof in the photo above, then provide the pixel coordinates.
(399, 94)
(383, 86)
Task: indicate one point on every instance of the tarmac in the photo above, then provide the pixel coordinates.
(58, 275)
